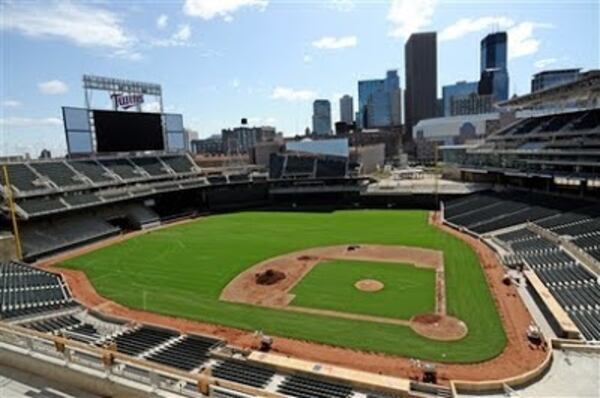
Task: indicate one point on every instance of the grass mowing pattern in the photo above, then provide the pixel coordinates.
(184, 268)
(407, 290)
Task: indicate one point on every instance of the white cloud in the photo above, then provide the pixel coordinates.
(409, 16)
(307, 59)
(162, 21)
(28, 122)
(183, 33)
(235, 83)
(464, 26)
(82, 24)
(11, 103)
(180, 38)
(209, 9)
(128, 54)
(342, 5)
(53, 87)
(543, 63)
(334, 43)
(289, 94)
(521, 40)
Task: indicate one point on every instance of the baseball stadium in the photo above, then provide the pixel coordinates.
(144, 272)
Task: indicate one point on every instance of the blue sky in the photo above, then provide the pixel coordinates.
(220, 60)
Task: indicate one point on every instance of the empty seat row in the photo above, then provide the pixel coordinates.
(243, 373)
(49, 325)
(187, 354)
(584, 295)
(518, 235)
(48, 236)
(32, 177)
(135, 342)
(308, 387)
(22, 287)
(588, 322)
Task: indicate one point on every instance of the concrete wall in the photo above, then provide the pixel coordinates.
(370, 156)
(7, 247)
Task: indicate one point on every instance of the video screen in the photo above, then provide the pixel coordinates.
(128, 131)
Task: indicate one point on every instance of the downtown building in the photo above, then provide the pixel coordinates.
(242, 139)
(420, 100)
(494, 73)
(550, 78)
(347, 109)
(456, 90)
(380, 102)
(321, 118)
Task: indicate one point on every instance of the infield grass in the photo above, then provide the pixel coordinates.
(182, 269)
(407, 290)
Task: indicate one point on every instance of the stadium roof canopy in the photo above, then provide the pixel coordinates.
(582, 93)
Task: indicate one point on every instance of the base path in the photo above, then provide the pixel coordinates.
(517, 358)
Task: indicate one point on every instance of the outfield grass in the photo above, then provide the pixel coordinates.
(184, 268)
(407, 290)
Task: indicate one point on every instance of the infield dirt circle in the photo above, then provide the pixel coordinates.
(439, 327)
(369, 285)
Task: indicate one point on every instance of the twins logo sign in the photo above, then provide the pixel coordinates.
(126, 101)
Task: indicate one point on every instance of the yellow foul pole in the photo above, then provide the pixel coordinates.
(8, 193)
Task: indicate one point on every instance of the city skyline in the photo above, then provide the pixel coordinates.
(195, 53)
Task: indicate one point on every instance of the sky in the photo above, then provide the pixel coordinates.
(266, 60)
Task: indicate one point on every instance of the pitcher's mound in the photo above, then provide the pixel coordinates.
(369, 285)
(269, 277)
(438, 327)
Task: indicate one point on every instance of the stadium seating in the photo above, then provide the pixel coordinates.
(52, 235)
(574, 286)
(243, 372)
(54, 324)
(23, 287)
(59, 173)
(491, 211)
(93, 170)
(81, 199)
(299, 165)
(331, 168)
(123, 168)
(24, 179)
(187, 354)
(308, 387)
(41, 205)
(292, 166)
(152, 165)
(562, 144)
(137, 341)
(179, 164)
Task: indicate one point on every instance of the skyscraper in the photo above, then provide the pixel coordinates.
(462, 88)
(494, 72)
(321, 118)
(380, 102)
(347, 109)
(420, 101)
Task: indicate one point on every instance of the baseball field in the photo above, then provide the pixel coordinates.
(182, 270)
